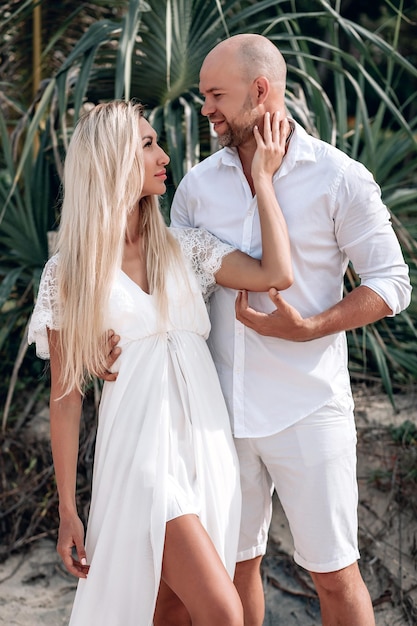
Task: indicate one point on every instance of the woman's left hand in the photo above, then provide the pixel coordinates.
(270, 148)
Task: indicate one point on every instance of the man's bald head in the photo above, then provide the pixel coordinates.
(241, 79)
(253, 55)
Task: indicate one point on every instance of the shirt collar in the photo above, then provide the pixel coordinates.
(300, 148)
(229, 156)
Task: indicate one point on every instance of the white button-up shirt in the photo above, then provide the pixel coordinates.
(334, 213)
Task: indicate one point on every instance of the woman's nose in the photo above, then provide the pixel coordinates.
(164, 158)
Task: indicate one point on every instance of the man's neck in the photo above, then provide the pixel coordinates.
(246, 154)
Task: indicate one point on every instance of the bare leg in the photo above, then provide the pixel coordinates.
(170, 611)
(192, 568)
(344, 598)
(248, 583)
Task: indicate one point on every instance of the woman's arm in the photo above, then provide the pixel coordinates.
(274, 269)
(239, 270)
(65, 413)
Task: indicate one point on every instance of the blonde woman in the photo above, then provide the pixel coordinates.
(165, 499)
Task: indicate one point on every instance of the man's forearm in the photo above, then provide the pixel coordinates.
(360, 307)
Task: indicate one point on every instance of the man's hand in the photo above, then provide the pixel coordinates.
(359, 307)
(113, 353)
(285, 322)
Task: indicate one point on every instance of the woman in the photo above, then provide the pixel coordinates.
(165, 498)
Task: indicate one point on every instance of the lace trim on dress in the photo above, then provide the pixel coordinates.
(202, 249)
(46, 312)
(205, 253)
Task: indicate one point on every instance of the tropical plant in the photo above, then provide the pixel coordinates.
(153, 52)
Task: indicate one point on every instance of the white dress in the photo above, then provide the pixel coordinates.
(164, 444)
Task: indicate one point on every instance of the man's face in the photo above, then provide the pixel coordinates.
(228, 103)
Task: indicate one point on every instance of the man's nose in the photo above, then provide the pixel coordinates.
(207, 108)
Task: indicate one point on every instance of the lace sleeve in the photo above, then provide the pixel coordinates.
(205, 253)
(46, 312)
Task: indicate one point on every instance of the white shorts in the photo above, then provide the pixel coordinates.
(312, 466)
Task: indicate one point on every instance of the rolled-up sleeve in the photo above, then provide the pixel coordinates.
(367, 238)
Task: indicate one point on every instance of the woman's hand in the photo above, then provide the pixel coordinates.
(270, 148)
(70, 537)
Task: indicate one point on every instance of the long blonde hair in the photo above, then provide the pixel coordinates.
(103, 180)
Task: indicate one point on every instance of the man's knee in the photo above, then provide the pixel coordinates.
(343, 581)
(247, 570)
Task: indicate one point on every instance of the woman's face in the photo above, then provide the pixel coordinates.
(155, 161)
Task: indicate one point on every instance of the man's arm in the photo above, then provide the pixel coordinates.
(360, 307)
(364, 233)
(180, 208)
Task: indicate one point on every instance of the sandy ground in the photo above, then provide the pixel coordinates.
(36, 591)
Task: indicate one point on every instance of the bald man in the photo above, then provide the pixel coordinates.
(282, 361)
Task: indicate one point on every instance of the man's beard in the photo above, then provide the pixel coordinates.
(238, 133)
(235, 135)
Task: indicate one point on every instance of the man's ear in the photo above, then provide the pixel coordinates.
(261, 88)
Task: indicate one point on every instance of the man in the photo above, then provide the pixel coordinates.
(283, 362)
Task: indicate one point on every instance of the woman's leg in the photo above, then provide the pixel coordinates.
(193, 570)
(169, 610)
